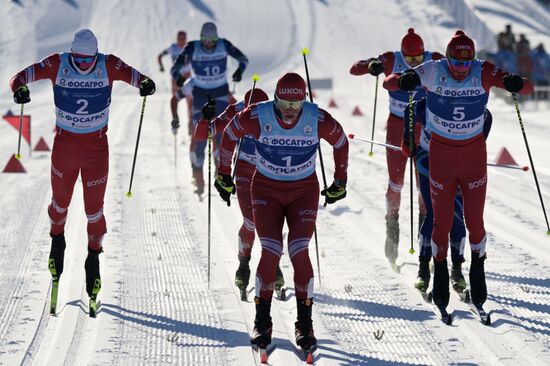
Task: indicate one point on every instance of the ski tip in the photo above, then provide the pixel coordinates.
(309, 358)
(263, 355)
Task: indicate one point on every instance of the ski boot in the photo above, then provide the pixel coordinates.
(441, 284)
(477, 280)
(55, 265)
(242, 276)
(93, 278)
(457, 279)
(199, 180)
(423, 278)
(263, 327)
(305, 338)
(280, 290)
(392, 241)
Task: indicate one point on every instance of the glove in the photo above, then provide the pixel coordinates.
(225, 186)
(409, 80)
(175, 125)
(238, 75)
(512, 83)
(22, 95)
(161, 68)
(180, 80)
(405, 149)
(147, 87)
(209, 109)
(335, 192)
(376, 67)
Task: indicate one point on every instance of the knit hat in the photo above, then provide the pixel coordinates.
(461, 47)
(412, 44)
(291, 86)
(209, 31)
(84, 43)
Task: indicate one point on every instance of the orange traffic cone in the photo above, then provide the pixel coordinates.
(14, 166)
(356, 111)
(41, 145)
(505, 158)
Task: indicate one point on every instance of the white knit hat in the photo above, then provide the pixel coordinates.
(84, 43)
(209, 31)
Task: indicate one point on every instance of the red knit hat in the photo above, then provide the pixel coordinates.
(258, 96)
(291, 87)
(412, 44)
(461, 47)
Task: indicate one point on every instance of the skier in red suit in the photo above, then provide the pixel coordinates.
(287, 132)
(412, 54)
(82, 81)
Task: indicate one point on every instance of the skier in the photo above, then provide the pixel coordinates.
(412, 54)
(458, 231)
(457, 94)
(287, 132)
(174, 50)
(82, 83)
(245, 168)
(208, 59)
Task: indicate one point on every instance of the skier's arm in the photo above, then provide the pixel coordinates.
(159, 58)
(437, 56)
(218, 124)
(244, 123)
(236, 54)
(182, 59)
(119, 70)
(331, 131)
(45, 69)
(492, 75)
(362, 67)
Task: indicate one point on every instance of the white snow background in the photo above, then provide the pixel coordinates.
(156, 308)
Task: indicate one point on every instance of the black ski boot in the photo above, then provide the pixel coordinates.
(478, 286)
(457, 279)
(423, 278)
(263, 327)
(57, 255)
(279, 284)
(441, 284)
(242, 276)
(392, 241)
(93, 278)
(305, 338)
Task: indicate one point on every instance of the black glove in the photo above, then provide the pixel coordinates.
(406, 148)
(147, 87)
(376, 67)
(512, 83)
(335, 192)
(238, 75)
(175, 125)
(225, 186)
(208, 110)
(161, 68)
(22, 95)
(180, 80)
(409, 80)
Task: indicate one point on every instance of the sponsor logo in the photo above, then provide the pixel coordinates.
(443, 79)
(462, 92)
(460, 125)
(436, 184)
(462, 47)
(268, 128)
(438, 90)
(99, 73)
(259, 202)
(62, 82)
(308, 212)
(308, 130)
(478, 183)
(289, 142)
(290, 91)
(57, 172)
(82, 119)
(65, 71)
(97, 182)
(85, 84)
(475, 81)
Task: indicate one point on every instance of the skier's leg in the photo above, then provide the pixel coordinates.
(458, 238)
(246, 232)
(423, 277)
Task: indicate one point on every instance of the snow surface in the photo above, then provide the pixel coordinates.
(156, 307)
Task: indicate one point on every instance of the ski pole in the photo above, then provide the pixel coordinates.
(18, 155)
(531, 161)
(411, 144)
(234, 87)
(209, 192)
(175, 151)
(305, 51)
(393, 147)
(524, 168)
(255, 78)
(129, 193)
(374, 114)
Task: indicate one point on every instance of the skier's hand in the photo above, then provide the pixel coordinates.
(180, 80)
(175, 125)
(513, 83)
(376, 67)
(208, 110)
(409, 80)
(161, 68)
(335, 192)
(405, 148)
(146, 87)
(237, 75)
(22, 95)
(225, 186)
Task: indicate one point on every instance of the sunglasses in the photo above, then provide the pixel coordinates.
(287, 104)
(83, 61)
(460, 64)
(209, 39)
(417, 59)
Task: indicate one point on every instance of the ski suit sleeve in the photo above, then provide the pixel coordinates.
(437, 56)
(492, 75)
(119, 70)
(44, 69)
(244, 123)
(331, 131)
(218, 124)
(182, 59)
(362, 67)
(163, 53)
(236, 54)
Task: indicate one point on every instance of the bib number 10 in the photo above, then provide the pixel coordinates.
(212, 70)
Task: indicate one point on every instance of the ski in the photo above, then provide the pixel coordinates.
(281, 293)
(463, 295)
(53, 296)
(93, 307)
(244, 294)
(263, 352)
(483, 316)
(443, 315)
(309, 354)
(426, 296)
